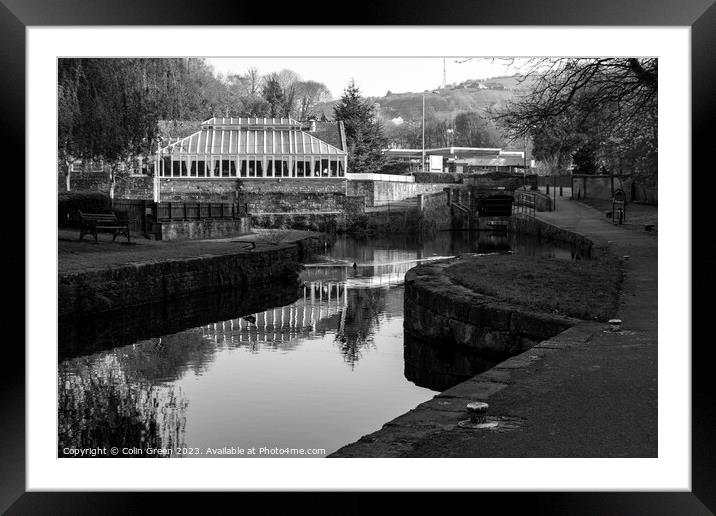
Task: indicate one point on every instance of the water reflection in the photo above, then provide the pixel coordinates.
(439, 367)
(82, 335)
(232, 369)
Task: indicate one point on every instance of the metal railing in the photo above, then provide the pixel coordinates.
(140, 213)
(379, 177)
(198, 210)
(525, 203)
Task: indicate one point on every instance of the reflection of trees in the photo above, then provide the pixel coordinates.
(361, 320)
(99, 407)
(166, 358)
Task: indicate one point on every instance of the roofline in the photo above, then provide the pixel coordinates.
(340, 152)
(450, 149)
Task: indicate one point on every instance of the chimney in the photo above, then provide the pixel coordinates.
(313, 125)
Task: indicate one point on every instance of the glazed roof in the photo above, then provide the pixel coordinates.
(256, 136)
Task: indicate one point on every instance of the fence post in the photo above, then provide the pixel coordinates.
(144, 216)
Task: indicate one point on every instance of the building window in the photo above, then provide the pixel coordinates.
(316, 167)
(166, 166)
(341, 169)
(324, 167)
(243, 168)
(252, 167)
(259, 167)
(217, 168)
(176, 168)
(201, 168)
(334, 167)
(184, 170)
(284, 166)
(269, 167)
(225, 167)
(300, 168)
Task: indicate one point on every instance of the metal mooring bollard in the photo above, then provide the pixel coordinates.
(478, 416)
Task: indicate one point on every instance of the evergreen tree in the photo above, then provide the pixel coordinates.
(585, 159)
(364, 133)
(274, 95)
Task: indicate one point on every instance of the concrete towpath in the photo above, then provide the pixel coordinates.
(587, 392)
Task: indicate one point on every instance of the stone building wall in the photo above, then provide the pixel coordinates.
(377, 193)
(293, 186)
(206, 190)
(134, 187)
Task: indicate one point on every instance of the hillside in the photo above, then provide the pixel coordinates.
(471, 95)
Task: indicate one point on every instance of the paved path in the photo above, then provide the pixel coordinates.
(589, 392)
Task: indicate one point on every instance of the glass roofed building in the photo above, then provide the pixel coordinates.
(252, 148)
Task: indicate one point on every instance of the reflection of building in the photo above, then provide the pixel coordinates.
(312, 314)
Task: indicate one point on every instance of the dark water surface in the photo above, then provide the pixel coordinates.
(309, 367)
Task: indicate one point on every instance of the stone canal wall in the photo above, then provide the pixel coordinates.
(441, 311)
(113, 288)
(532, 226)
(201, 229)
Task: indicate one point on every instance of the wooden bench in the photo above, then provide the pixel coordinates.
(91, 223)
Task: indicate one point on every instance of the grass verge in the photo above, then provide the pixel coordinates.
(585, 289)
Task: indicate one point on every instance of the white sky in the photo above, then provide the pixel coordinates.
(373, 75)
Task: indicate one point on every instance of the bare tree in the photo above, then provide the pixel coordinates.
(309, 94)
(618, 90)
(608, 104)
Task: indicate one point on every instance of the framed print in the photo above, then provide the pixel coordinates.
(281, 306)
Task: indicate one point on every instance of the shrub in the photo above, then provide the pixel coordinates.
(68, 203)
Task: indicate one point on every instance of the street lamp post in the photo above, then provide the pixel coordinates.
(524, 172)
(422, 162)
(422, 166)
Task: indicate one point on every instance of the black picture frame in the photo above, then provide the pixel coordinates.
(700, 15)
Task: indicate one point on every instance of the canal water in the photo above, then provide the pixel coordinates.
(309, 368)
